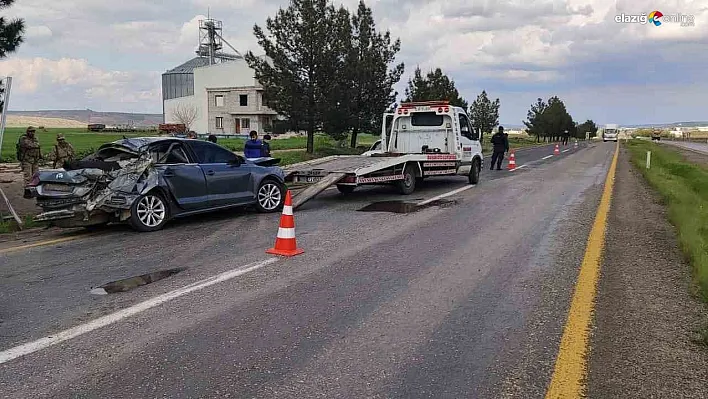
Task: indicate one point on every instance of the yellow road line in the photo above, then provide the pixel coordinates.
(43, 243)
(568, 380)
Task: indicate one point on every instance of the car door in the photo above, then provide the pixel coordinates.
(228, 178)
(470, 142)
(184, 178)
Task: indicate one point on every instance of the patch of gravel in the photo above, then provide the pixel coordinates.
(644, 336)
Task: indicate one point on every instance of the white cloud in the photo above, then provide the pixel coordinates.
(38, 33)
(35, 76)
(95, 49)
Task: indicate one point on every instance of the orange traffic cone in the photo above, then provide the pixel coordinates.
(285, 244)
(512, 161)
(556, 151)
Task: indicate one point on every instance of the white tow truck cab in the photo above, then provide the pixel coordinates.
(418, 140)
(610, 132)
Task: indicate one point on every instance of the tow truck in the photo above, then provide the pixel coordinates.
(418, 140)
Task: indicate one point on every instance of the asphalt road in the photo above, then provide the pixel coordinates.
(689, 145)
(463, 300)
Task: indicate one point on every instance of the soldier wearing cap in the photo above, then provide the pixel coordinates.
(29, 154)
(63, 152)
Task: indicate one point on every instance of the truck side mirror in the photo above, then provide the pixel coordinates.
(474, 136)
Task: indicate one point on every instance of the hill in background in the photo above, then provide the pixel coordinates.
(80, 118)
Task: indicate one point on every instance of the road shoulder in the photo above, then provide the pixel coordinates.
(644, 341)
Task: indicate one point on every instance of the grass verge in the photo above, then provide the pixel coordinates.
(86, 142)
(684, 187)
(10, 226)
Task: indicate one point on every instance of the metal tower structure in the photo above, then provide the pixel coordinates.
(211, 42)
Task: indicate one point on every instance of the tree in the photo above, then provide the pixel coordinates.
(557, 119)
(185, 114)
(534, 119)
(549, 120)
(370, 83)
(484, 114)
(10, 32)
(434, 86)
(587, 127)
(302, 48)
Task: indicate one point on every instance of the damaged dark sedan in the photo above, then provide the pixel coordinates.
(148, 181)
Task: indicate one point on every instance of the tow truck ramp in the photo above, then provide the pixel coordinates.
(316, 188)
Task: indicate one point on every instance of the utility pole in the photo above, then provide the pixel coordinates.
(6, 103)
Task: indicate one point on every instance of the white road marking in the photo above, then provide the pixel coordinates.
(453, 192)
(50, 340)
(519, 167)
(566, 150)
(547, 156)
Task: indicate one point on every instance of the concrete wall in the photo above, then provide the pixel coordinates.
(237, 118)
(227, 74)
(230, 79)
(188, 101)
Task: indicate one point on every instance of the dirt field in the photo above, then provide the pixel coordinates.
(11, 184)
(24, 121)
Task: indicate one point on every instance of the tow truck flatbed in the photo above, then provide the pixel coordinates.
(418, 140)
(353, 170)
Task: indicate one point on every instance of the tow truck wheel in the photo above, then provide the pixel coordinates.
(407, 185)
(345, 189)
(474, 172)
(149, 212)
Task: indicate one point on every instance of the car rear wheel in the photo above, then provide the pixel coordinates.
(149, 212)
(270, 196)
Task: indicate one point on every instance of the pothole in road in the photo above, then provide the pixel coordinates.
(128, 284)
(404, 207)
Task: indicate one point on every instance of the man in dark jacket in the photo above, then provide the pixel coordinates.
(253, 147)
(501, 145)
(265, 151)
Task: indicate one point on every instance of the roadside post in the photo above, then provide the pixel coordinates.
(3, 111)
(648, 159)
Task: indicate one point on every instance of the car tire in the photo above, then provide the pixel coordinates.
(474, 172)
(150, 212)
(407, 185)
(270, 196)
(345, 189)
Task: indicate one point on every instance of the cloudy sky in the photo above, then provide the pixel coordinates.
(109, 55)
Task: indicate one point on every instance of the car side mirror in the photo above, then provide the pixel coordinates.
(235, 162)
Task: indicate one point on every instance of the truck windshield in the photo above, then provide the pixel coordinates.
(426, 119)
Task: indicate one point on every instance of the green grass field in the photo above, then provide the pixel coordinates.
(684, 187)
(82, 140)
(85, 142)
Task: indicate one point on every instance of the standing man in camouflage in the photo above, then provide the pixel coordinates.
(29, 154)
(63, 152)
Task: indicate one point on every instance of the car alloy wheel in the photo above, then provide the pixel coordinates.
(269, 196)
(151, 211)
